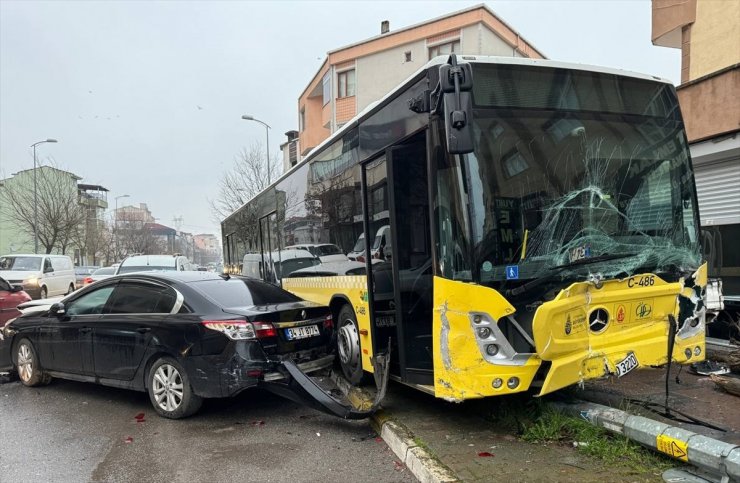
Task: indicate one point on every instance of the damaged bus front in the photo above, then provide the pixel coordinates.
(567, 238)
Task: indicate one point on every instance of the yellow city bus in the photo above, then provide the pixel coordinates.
(512, 224)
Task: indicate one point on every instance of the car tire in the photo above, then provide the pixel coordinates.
(43, 293)
(70, 289)
(348, 346)
(27, 365)
(169, 390)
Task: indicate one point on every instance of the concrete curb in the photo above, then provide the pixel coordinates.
(719, 460)
(425, 467)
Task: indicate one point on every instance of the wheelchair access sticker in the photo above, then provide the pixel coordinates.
(512, 272)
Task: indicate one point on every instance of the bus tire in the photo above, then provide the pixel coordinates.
(348, 346)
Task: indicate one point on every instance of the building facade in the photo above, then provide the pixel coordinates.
(354, 76)
(77, 231)
(708, 34)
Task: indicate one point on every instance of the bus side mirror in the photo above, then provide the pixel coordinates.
(456, 82)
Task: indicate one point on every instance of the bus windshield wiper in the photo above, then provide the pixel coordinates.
(560, 268)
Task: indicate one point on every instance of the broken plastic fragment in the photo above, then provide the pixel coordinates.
(139, 418)
(485, 454)
(128, 440)
(258, 423)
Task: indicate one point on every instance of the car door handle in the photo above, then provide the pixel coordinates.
(85, 330)
(143, 330)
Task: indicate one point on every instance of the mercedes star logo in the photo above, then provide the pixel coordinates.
(598, 320)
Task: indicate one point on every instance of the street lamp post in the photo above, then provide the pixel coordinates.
(35, 200)
(115, 225)
(247, 117)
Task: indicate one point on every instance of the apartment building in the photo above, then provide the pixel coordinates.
(354, 76)
(708, 34)
(70, 214)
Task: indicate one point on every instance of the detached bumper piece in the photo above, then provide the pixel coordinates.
(299, 387)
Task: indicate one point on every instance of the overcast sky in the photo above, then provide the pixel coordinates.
(145, 98)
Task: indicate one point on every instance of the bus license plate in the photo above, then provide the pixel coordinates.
(627, 364)
(302, 332)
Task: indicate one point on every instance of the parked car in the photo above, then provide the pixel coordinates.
(277, 264)
(82, 273)
(99, 274)
(150, 263)
(195, 335)
(326, 252)
(40, 275)
(10, 297)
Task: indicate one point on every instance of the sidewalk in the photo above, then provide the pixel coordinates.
(468, 442)
(696, 396)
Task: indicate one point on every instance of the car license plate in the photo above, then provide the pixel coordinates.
(302, 332)
(627, 364)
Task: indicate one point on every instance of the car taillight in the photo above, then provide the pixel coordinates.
(264, 329)
(241, 329)
(87, 280)
(328, 323)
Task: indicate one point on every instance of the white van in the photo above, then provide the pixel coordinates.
(40, 275)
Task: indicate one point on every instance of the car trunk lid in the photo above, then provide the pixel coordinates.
(299, 326)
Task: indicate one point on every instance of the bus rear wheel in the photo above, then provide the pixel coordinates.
(348, 346)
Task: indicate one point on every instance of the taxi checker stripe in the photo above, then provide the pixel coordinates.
(346, 282)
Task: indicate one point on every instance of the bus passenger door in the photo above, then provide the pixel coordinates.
(379, 261)
(412, 259)
(399, 250)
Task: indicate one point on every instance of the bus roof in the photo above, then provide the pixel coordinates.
(440, 60)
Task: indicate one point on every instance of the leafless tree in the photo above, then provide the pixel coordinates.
(94, 239)
(246, 178)
(60, 213)
(133, 235)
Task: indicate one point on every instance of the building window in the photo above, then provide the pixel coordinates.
(302, 120)
(326, 87)
(407, 56)
(445, 49)
(346, 83)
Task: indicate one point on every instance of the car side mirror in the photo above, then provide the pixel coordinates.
(48, 269)
(57, 309)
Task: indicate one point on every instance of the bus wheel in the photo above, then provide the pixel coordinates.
(348, 346)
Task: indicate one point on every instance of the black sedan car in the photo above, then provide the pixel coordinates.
(181, 336)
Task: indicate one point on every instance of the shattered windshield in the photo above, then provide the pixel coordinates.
(578, 167)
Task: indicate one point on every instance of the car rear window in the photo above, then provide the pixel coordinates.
(105, 271)
(329, 250)
(146, 268)
(238, 292)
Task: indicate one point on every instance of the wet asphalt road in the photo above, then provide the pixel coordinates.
(71, 431)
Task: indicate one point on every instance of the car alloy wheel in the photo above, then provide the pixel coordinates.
(170, 391)
(25, 363)
(167, 387)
